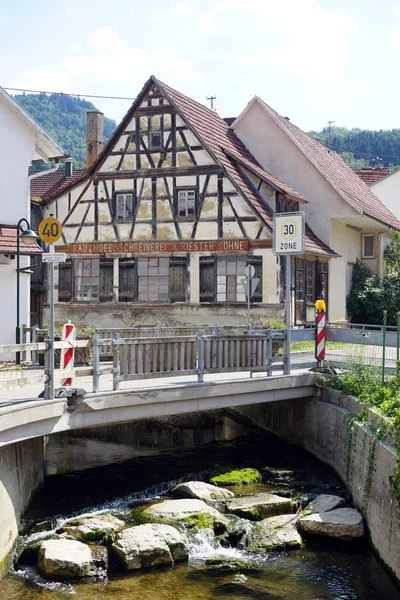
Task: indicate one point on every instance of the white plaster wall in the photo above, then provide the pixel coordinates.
(16, 151)
(388, 190)
(349, 242)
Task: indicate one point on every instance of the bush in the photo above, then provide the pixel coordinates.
(365, 301)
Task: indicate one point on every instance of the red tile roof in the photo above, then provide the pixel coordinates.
(339, 174)
(49, 184)
(8, 243)
(371, 176)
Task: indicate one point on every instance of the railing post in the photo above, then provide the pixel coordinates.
(269, 353)
(96, 362)
(23, 329)
(216, 330)
(159, 330)
(34, 341)
(384, 346)
(47, 373)
(200, 356)
(116, 364)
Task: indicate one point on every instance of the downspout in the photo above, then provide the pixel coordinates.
(45, 172)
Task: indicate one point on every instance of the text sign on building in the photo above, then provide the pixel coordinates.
(156, 247)
(289, 234)
(53, 257)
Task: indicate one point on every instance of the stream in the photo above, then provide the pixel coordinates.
(319, 570)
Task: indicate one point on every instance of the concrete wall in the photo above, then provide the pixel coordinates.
(21, 471)
(325, 428)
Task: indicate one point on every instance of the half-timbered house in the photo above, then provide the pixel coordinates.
(161, 226)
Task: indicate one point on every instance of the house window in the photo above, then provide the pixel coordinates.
(186, 203)
(124, 206)
(310, 281)
(156, 140)
(86, 279)
(368, 249)
(221, 278)
(153, 276)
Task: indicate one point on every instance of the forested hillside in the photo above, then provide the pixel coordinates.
(65, 118)
(361, 147)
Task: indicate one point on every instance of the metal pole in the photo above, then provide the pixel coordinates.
(50, 387)
(288, 269)
(398, 343)
(384, 346)
(17, 330)
(248, 304)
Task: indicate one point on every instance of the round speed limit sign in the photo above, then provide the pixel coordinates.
(50, 230)
(288, 233)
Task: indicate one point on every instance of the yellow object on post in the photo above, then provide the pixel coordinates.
(50, 230)
(320, 306)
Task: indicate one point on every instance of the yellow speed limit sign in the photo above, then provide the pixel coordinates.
(50, 230)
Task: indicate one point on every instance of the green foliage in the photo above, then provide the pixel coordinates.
(270, 323)
(64, 117)
(365, 301)
(356, 145)
(228, 476)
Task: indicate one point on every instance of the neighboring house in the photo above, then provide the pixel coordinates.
(372, 175)
(388, 191)
(342, 210)
(163, 223)
(23, 140)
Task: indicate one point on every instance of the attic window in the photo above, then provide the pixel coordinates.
(186, 203)
(124, 207)
(368, 249)
(156, 140)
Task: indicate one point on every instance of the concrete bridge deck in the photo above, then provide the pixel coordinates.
(30, 418)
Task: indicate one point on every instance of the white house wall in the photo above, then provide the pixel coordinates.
(388, 190)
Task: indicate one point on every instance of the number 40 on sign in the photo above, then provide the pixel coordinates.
(50, 230)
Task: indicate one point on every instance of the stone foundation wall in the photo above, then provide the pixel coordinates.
(21, 472)
(325, 427)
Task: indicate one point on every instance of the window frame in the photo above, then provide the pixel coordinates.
(148, 275)
(363, 237)
(310, 265)
(124, 193)
(153, 146)
(210, 264)
(82, 276)
(186, 189)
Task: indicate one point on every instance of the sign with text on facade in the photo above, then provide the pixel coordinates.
(156, 247)
(289, 233)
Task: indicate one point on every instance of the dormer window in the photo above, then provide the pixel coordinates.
(186, 203)
(156, 140)
(124, 206)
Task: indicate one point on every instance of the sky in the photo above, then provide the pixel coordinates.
(312, 60)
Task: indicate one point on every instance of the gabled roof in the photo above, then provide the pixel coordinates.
(371, 176)
(46, 146)
(222, 143)
(48, 184)
(8, 242)
(338, 173)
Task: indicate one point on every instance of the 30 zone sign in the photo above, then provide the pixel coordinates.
(50, 230)
(288, 233)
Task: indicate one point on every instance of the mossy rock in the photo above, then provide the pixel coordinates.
(226, 564)
(227, 476)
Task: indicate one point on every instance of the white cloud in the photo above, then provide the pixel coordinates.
(302, 38)
(179, 9)
(394, 33)
(108, 65)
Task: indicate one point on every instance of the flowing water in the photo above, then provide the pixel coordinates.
(318, 571)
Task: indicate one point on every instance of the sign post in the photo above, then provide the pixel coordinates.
(249, 284)
(288, 240)
(50, 230)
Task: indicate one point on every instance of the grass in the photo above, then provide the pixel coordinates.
(310, 347)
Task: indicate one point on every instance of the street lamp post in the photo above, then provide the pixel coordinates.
(27, 237)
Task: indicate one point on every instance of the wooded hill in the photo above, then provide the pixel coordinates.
(65, 118)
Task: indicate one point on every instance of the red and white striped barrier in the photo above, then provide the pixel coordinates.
(67, 354)
(320, 336)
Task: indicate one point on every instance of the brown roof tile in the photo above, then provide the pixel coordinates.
(8, 243)
(340, 175)
(48, 184)
(371, 176)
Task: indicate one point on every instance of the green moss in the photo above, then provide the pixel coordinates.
(227, 476)
(252, 514)
(224, 564)
(199, 521)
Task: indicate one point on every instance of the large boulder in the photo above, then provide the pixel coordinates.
(69, 559)
(324, 503)
(342, 523)
(260, 506)
(92, 528)
(150, 545)
(190, 513)
(274, 533)
(227, 476)
(201, 491)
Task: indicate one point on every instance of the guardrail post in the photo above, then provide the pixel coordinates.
(34, 340)
(47, 372)
(159, 330)
(200, 357)
(269, 353)
(96, 362)
(384, 346)
(116, 364)
(216, 330)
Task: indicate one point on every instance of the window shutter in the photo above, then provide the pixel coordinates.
(127, 280)
(178, 278)
(65, 281)
(207, 279)
(256, 262)
(106, 280)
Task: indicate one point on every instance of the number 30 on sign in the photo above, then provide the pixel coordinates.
(50, 230)
(288, 233)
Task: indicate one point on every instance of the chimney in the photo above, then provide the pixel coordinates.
(68, 168)
(94, 135)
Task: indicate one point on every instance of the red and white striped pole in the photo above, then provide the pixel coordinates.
(68, 354)
(320, 332)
